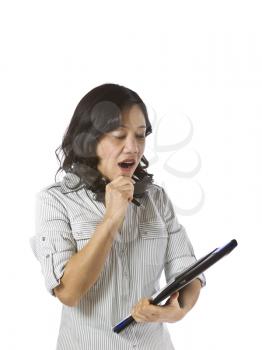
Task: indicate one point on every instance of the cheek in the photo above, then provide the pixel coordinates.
(106, 151)
(142, 149)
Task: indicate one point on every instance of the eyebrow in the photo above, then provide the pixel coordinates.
(141, 126)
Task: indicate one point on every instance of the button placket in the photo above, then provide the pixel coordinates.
(133, 335)
(125, 272)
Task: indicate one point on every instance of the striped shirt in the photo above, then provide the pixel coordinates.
(150, 240)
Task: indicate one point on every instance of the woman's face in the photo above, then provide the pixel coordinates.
(125, 143)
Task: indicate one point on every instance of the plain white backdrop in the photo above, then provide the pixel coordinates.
(197, 65)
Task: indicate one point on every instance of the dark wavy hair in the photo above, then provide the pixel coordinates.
(97, 112)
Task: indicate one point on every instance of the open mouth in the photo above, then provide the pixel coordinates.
(126, 165)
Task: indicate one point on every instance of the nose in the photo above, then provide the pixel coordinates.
(131, 145)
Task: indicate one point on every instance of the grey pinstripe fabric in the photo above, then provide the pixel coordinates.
(151, 240)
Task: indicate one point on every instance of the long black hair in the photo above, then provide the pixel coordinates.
(97, 112)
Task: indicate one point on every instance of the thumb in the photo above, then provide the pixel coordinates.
(173, 299)
(174, 296)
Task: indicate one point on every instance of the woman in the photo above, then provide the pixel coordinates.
(101, 253)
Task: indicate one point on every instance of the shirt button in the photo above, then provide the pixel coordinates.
(47, 256)
(43, 238)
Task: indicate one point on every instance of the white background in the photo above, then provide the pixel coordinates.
(194, 63)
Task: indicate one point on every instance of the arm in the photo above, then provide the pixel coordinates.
(189, 294)
(68, 273)
(176, 307)
(84, 267)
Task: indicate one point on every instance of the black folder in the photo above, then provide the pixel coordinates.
(185, 277)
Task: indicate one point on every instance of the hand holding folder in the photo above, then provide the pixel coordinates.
(187, 276)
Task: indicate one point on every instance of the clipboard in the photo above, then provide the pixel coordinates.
(185, 277)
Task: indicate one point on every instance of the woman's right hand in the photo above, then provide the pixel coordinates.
(118, 194)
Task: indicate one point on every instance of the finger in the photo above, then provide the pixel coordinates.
(145, 315)
(137, 317)
(172, 299)
(148, 316)
(125, 186)
(125, 178)
(175, 295)
(142, 304)
(126, 192)
(145, 310)
(130, 180)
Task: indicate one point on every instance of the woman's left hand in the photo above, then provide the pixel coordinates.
(170, 312)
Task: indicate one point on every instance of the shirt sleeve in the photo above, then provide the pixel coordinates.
(53, 243)
(180, 253)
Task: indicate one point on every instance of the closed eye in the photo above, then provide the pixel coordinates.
(138, 136)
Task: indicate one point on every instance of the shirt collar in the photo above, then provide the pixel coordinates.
(71, 183)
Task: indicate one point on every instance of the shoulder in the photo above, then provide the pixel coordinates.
(159, 195)
(154, 188)
(155, 193)
(54, 187)
(50, 197)
(69, 183)
(59, 196)
(51, 190)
